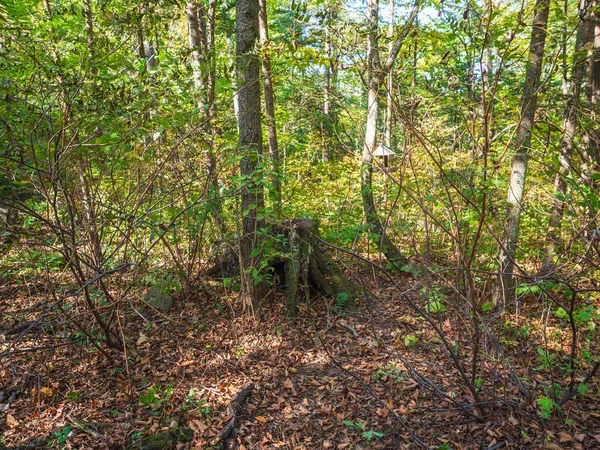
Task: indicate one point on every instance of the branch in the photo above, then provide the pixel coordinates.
(389, 62)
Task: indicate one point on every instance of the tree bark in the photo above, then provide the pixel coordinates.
(196, 47)
(518, 175)
(571, 119)
(592, 95)
(310, 265)
(376, 73)
(330, 86)
(201, 41)
(250, 147)
(390, 84)
(270, 107)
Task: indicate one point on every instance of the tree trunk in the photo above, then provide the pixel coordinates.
(270, 107)
(390, 84)
(201, 40)
(250, 147)
(330, 86)
(377, 72)
(592, 94)
(571, 118)
(195, 39)
(523, 143)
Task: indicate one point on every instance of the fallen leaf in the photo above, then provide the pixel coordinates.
(579, 437)
(11, 422)
(552, 446)
(142, 339)
(261, 419)
(564, 437)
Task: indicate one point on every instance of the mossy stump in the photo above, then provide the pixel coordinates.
(306, 265)
(309, 265)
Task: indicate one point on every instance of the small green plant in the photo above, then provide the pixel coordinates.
(434, 300)
(360, 427)
(191, 402)
(156, 397)
(62, 435)
(487, 306)
(410, 340)
(479, 383)
(544, 359)
(390, 372)
(340, 301)
(149, 400)
(136, 435)
(547, 406)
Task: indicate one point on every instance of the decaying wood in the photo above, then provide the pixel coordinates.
(306, 265)
(229, 431)
(309, 264)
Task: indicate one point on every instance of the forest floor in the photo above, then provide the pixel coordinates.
(328, 381)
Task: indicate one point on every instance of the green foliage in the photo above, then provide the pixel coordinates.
(410, 340)
(547, 406)
(341, 300)
(390, 372)
(434, 300)
(360, 426)
(61, 436)
(544, 359)
(191, 402)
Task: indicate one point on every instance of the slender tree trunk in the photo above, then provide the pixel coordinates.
(523, 143)
(270, 107)
(195, 39)
(377, 71)
(201, 40)
(211, 58)
(390, 85)
(571, 119)
(250, 146)
(89, 30)
(592, 95)
(330, 86)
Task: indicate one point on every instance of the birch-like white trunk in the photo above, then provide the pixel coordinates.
(571, 120)
(508, 250)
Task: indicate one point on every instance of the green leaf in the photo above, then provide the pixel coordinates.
(487, 306)
(582, 389)
(561, 312)
(546, 405)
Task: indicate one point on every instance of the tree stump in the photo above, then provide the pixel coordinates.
(306, 265)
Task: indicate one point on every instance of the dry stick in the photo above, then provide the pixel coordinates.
(427, 384)
(414, 437)
(60, 299)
